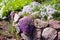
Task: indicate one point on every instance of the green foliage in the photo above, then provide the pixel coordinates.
(57, 7)
(54, 3)
(51, 2)
(0, 1)
(10, 5)
(56, 16)
(45, 17)
(11, 29)
(40, 1)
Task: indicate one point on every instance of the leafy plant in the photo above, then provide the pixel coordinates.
(40, 1)
(56, 16)
(10, 5)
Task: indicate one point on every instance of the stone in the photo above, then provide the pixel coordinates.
(16, 17)
(2, 38)
(40, 24)
(58, 35)
(37, 34)
(4, 25)
(49, 33)
(54, 24)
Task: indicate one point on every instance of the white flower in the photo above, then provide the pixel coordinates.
(20, 13)
(27, 9)
(34, 3)
(50, 17)
(0, 15)
(50, 10)
(43, 13)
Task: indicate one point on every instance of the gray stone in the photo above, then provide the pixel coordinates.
(49, 33)
(40, 24)
(4, 25)
(54, 24)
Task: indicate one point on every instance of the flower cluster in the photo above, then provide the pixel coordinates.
(37, 9)
(47, 11)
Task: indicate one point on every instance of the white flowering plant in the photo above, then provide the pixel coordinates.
(39, 10)
(6, 6)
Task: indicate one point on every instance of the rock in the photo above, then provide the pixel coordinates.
(4, 25)
(58, 35)
(54, 24)
(16, 17)
(40, 24)
(49, 33)
(37, 34)
(2, 38)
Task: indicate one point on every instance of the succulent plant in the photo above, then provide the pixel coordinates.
(26, 24)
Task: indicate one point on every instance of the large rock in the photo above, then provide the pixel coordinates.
(49, 33)
(54, 24)
(58, 35)
(37, 34)
(40, 24)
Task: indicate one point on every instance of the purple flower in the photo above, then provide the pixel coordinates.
(26, 24)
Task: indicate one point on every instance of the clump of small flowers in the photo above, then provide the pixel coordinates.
(37, 9)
